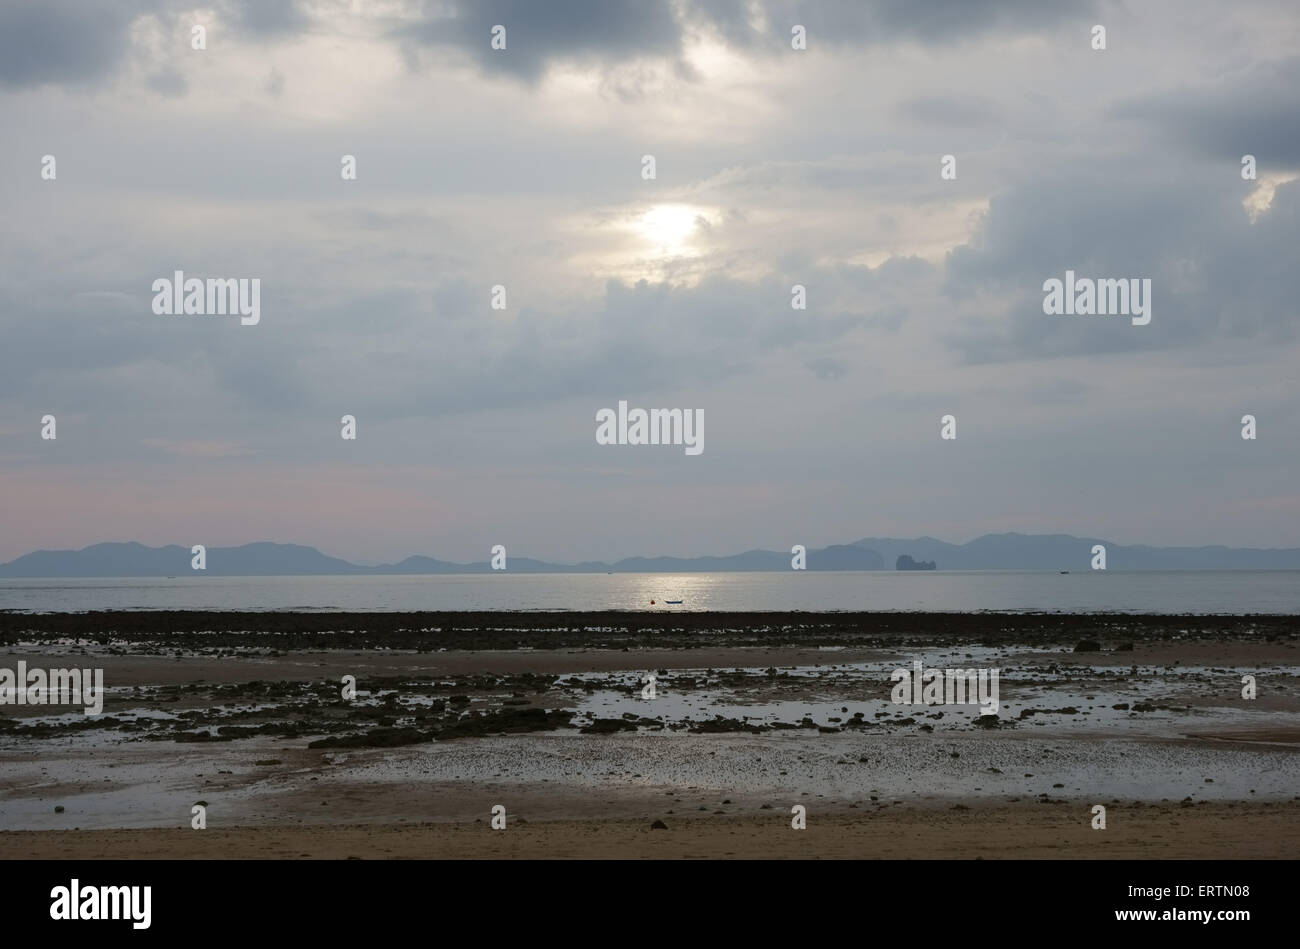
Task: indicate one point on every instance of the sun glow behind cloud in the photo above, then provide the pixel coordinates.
(669, 241)
(1260, 200)
(668, 229)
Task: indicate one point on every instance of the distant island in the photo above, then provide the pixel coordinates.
(905, 562)
(1053, 552)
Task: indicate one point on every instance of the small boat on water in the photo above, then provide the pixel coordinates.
(1065, 571)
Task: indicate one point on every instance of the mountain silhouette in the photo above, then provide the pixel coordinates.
(989, 552)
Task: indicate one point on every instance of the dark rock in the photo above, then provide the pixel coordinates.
(607, 726)
(375, 738)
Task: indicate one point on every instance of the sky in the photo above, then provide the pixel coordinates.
(522, 168)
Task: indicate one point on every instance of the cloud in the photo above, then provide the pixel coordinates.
(539, 33)
(955, 111)
(609, 32)
(68, 42)
(76, 43)
(57, 41)
(838, 22)
(269, 18)
(1214, 273)
(775, 168)
(1255, 111)
(168, 83)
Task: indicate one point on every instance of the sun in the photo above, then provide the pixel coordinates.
(668, 227)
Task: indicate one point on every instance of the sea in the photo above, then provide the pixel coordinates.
(1085, 591)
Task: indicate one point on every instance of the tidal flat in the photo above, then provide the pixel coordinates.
(298, 723)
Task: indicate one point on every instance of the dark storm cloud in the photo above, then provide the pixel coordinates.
(1214, 273)
(77, 42)
(66, 41)
(613, 30)
(1256, 112)
(537, 33)
(61, 40)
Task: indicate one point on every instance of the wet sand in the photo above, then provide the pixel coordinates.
(1141, 715)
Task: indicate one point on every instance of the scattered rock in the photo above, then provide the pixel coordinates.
(607, 726)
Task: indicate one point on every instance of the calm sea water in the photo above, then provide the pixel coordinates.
(1243, 591)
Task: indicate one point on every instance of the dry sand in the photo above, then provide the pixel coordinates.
(1021, 832)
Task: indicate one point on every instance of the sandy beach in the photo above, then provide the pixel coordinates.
(1009, 832)
(749, 716)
